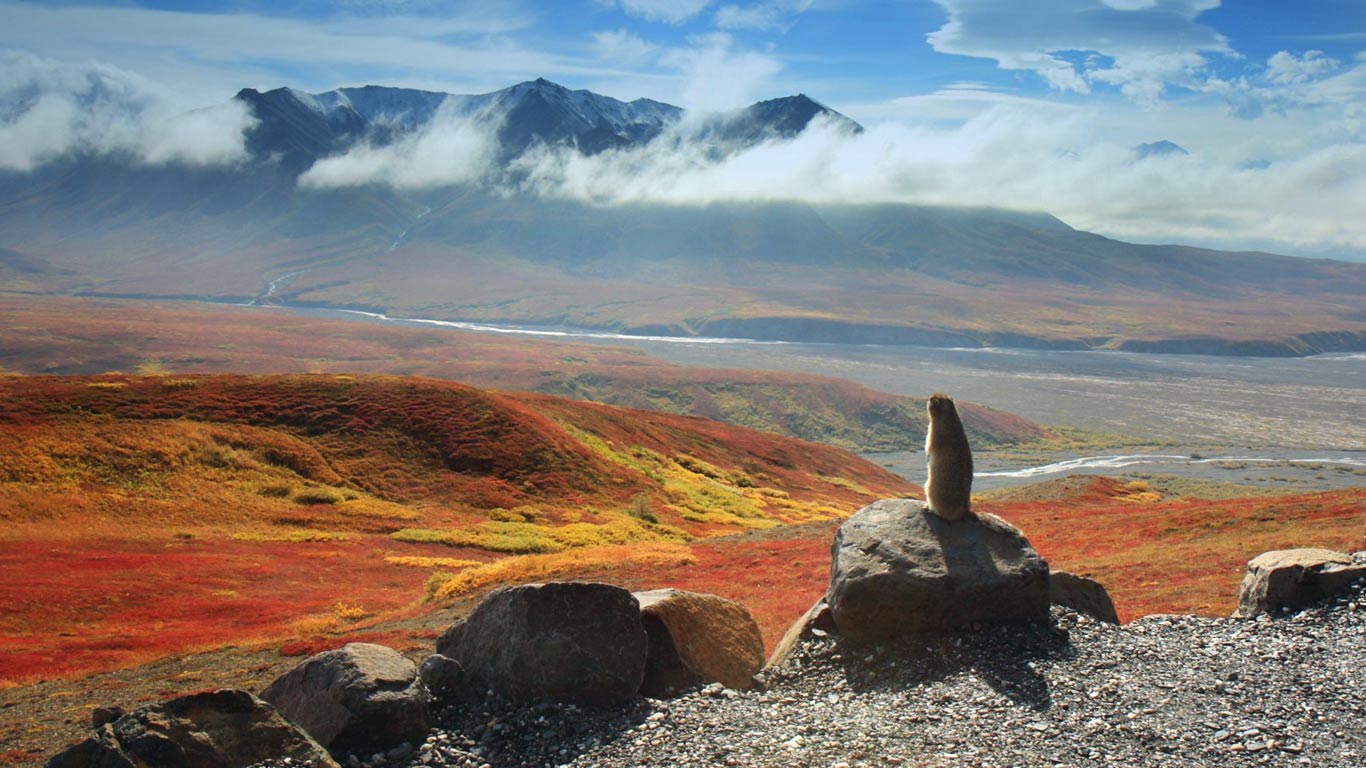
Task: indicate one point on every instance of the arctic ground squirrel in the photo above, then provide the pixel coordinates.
(948, 486)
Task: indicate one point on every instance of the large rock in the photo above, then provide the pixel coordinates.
(562, 641)
(898, 569)
(1083, 595)
(215, 729)
(1293, 578)
(695, 638)
(360, 698)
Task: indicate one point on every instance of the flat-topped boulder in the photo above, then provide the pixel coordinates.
(697, 638)
(898, 569)
(1295, 578)
(561, 641)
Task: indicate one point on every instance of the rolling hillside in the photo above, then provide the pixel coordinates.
(220, 509)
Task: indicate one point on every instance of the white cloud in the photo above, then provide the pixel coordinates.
(206, 57)
(1019, 154)
(1312, 83)
(1139, 46)
(1286, 67)
(622, 46)
(719, 76)
(453, 148)
(49, 109)
(670, 11)
(768, 16)
(211, 136)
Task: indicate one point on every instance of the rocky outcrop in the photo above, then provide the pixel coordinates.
(1081, 594)
(214, 729)
(898, 569)
(360, 698)
(1294, 578)
(695, 638)
(562, 641)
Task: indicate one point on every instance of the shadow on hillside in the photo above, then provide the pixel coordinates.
(1005, 658)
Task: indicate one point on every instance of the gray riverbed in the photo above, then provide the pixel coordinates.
(1297, 422)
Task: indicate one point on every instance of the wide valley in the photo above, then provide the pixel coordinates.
(1282, 422)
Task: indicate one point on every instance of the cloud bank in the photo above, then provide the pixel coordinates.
(452, 148)
(52, 109)
(1282, 184)
(1003, 158)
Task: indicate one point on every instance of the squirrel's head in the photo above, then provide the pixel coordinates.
(940, 404)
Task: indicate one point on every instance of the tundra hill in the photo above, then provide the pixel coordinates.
(62, 335)
(154, 515)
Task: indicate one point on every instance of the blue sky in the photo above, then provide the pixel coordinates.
(848, 53)
(1269, 95)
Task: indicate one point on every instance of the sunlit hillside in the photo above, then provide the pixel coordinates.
(155, 514)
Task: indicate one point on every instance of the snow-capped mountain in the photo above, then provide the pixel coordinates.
(782, 118)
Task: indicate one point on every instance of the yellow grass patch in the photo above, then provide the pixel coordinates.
(295, 535)
(511, 570)
(414, 561)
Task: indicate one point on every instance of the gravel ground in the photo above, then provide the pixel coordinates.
(1163, 690)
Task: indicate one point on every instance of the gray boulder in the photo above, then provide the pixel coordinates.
(1294, 578)
(897, 569)
(1083, 595)
(214, 729)
(360, 698)
(561, 641)
(696, 638)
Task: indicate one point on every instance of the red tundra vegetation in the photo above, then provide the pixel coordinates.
(154, 515)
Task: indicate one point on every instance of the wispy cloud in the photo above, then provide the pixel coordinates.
(670, 11)
(1286, 67)
(622, 46)
(720, 75)
(769, 15)
(231, 50)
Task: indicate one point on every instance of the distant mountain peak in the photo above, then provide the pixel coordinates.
(1162, 148)
(782, 118)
